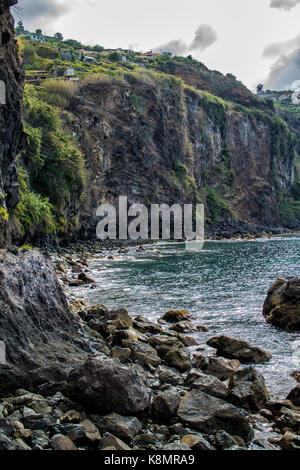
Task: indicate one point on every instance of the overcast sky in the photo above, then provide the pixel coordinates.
(256, 40)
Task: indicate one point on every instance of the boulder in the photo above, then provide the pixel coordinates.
(123, 427)
(110, 441)
(165, 405)
(247, 389)
(164, 343)
(206, 383)
(289, 418)
(282, 305)
(123, 354)
(290, 441)
(183, 327)
(60, 442)
(142, 352)
(237, 349)
(35, 321)
(179, 359)
(209, 415)
(219, 367)
(169, 376)
(294, 395)
(103, 385)
(120, 318)
(196, 442)
(91, 433)
(175, 316)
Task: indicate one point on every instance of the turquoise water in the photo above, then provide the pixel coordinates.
(223, 287)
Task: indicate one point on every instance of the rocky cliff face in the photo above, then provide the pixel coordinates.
(11, 130)
(166, 143)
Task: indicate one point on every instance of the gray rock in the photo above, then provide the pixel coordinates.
(179, 359)
(206, 383)
(294, 395)
(5, 442)
(109, 440)
(170, 376)
(247, 389)
(142, 352)
(120, 426)
(237, 349)
(165, 404)
(105, 385)
(209, 414)
(177, 445)
(282, 305)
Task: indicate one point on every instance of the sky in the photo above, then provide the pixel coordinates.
(256, 40)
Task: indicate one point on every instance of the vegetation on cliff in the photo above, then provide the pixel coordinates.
(177, 109)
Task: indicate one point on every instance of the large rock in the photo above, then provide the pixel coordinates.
(174, 316)
(247, 389)
(282, 305)
(164, 343)
(210, 415)
(35, 322)
(142, 352)
(123, 427)
(103, 385)
(206, 383)
(294, 395)
(237, 349)
(179, 359)
(165, 405)
(217, 366)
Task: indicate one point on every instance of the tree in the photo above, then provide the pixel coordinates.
(20, 28)
(59, 37)
(38, 31)
(114, 56)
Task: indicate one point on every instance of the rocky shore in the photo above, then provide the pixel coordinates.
(87, 377)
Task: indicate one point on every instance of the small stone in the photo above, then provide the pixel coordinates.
(92, 434)
(108, 440)
(19, 444)
(196, 442)
(177, 445)
(123, 354)
(60, 442)
(122, 427)
(294, 395)
(175, 316)
(71, 416)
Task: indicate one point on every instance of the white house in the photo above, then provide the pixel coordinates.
(36, 37)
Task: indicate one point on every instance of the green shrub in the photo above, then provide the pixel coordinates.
(217, 206)
(33, 212)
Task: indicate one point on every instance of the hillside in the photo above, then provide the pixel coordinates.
(120, 126)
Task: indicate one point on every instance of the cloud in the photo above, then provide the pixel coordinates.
(284, 4)
(284, 72)
(40, 12)
(279, 48)
(176, 46)
(204, 37)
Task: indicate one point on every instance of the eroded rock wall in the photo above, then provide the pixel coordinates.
(12, 138)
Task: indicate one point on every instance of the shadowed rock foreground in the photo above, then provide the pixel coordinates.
(95, 378)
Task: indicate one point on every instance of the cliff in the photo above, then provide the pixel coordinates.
(11, 128)
(157, 140)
